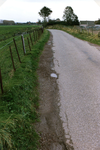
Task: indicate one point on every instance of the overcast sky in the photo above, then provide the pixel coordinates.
(27, 10)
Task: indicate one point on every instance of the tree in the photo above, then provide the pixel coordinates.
(45, 12)
(70, 17)
(97, 22)
(39, 21)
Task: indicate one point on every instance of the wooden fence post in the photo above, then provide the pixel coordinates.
(40, 32)
(34, 35)
(23, 43)
(29, 43)
(1, 82)
(37, 34)
(31, 38)
(16, 50)
(12, 59)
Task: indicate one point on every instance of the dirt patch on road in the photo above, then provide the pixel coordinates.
(50, 126)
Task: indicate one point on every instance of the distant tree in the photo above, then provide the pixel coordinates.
(57, 19)
(29, 22)
(45, 12)
(97, 22)
(39, 21)
(70, 17)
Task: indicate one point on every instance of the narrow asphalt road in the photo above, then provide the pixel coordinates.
(78, 65)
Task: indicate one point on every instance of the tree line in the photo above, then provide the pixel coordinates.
(69, 17)
(97, 21)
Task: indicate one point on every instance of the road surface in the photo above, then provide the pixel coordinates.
(78, 64)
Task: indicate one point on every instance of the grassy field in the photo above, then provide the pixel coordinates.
(5, 56)
(9, 31)
(19, 101)
(75, 31)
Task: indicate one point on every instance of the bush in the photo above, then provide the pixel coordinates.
(54, 22)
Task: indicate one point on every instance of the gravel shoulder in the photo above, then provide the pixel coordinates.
(50, 125)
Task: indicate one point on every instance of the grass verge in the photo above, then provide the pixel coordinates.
(19, 102)
(84, 35)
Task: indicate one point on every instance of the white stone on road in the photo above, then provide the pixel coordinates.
(78, 66)
(53, 75)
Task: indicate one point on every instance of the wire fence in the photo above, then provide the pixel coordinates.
(13, 53)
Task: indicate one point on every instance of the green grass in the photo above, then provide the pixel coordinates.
(9, 31)
(76, 33)
(19, 103)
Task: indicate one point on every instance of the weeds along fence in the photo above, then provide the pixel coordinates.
(88, 30)
(13, 53)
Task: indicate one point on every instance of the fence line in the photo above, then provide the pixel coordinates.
(36, 35)
(6, 44)
(16, 50)
(24, 33)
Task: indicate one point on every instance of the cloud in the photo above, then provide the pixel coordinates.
(42, 1)
(2, 1)
(97, 1)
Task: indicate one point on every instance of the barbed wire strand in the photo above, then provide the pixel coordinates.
(12, 40)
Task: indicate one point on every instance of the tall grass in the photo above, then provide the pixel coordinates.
(18, 104)
(81, 34)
